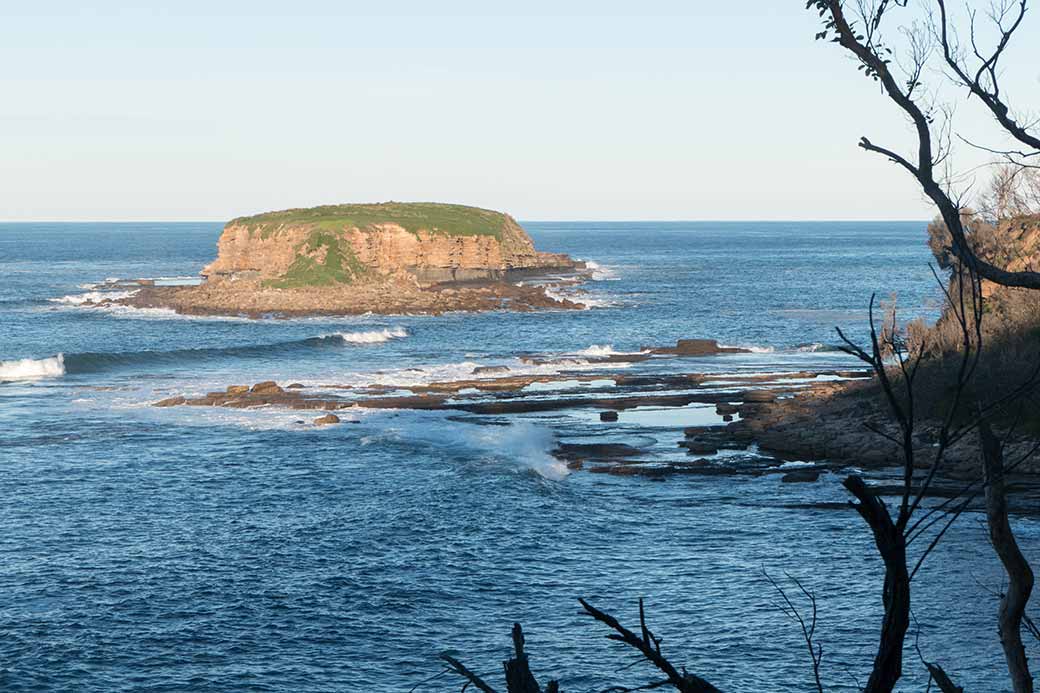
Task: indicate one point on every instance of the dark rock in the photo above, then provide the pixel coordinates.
(267, 387)
(699, 446)
(294, 386)
(801, 476)
(608, 416)
(698, 347)
(594, 450)
(326, 420)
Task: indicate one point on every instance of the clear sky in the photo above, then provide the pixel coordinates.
(553, 110)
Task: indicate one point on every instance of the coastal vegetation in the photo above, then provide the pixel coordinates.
(431, 217)
(324, 258)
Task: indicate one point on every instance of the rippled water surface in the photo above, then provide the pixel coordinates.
(198, 549)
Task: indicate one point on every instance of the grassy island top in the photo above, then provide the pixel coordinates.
(452, 220)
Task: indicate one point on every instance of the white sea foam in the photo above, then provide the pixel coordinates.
(92, 297)
(521, 446)
(605, 350)
(463, 370)
(753, 348)
(524, 445)
(371, 336)
(815, 347)
(586, 300)
(590, 301)
(794, 464)
(32, 369)
(601, 273)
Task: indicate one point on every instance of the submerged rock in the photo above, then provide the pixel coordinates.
(801, 476)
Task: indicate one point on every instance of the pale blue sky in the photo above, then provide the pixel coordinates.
(598, 110)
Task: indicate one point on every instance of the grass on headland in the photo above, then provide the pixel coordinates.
(323, 259)
(454, 220)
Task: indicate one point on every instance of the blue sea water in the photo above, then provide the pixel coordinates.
(199, 549)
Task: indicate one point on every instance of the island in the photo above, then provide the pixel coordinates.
(386, 258)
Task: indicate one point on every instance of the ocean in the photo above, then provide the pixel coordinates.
(202, 549)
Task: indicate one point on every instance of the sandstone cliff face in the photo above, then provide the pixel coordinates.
(379, 249)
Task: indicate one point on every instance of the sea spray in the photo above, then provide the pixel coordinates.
(520, 446)
(524, 445)
(601, 273)
(32, 369)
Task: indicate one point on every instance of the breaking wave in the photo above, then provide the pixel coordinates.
(582, 298)
(605, 350)
(753, 348)
(32, 369)
(520, 446)
(92, 297)
(816, 347)
(370, 337)
(95, 362)
(601, 273)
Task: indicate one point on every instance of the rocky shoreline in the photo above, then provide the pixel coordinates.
(816, 420)
(394, 296)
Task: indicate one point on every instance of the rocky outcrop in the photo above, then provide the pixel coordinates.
(431, 243)
(696, 347)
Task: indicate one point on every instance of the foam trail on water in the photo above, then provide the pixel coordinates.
(32, 369)
(372, 336)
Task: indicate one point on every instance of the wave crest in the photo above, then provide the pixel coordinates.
(32, 369)
(92, 297)
(371, 336)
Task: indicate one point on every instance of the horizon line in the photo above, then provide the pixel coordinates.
(630, 220)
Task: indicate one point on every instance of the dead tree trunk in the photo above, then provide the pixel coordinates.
(891, 545)
(519, 678)
(1020, 575)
